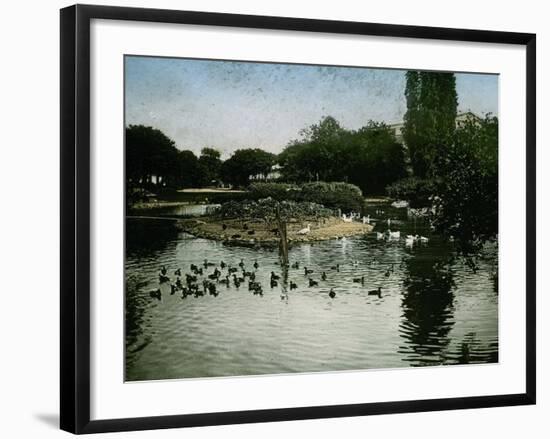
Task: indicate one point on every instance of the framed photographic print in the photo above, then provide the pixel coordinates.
(268, 218)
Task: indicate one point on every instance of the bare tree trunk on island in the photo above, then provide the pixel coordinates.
(283, 241)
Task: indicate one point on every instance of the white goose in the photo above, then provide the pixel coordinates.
(394, 235)
(305, 230)
(366, 219)
(347, 219)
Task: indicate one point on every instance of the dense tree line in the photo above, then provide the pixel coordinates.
(455, 165)
(153, 162)
(245, 163)
(369, 157)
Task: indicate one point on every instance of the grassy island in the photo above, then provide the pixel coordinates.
(239, 232)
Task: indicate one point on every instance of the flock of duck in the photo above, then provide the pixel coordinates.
(201, 281)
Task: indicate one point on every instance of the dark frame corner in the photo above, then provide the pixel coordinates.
(75, 217)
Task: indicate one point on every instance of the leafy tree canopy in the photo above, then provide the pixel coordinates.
(430, 117)
(369, 157)
(245, 163)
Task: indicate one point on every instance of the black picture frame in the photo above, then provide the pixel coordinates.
(75, 217)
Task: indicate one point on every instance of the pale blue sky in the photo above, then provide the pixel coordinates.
(230, 105)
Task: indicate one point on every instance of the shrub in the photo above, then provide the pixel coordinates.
(336, 195)
(266, 208)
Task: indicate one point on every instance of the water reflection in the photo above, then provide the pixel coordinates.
(427, 304)
(433, 310)
(146, 238)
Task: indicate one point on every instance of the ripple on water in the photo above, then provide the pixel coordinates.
(429, 313)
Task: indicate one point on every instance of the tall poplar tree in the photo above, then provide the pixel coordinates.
(430, 118)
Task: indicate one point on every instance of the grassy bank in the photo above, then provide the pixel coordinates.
(258, 232)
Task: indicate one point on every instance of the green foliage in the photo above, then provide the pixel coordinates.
(189, 172)
(266, 209)
(430, 118)
(338, 195)
(149, 152)
(245, 163)
(370, 157)
(416, 191)
(466, 195)
(210, 166)
(154, 163)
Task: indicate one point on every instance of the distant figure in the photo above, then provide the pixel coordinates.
(163, 270)
(177, 272)
(296, 265)
(359, 280)
(256, 265)
(293, 285)
(324, 276)
(274, 276)
(307, 271)
(332, 294)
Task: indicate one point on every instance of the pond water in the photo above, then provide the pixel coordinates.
(435, 309)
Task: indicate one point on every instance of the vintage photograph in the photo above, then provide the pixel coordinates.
(293, 218)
